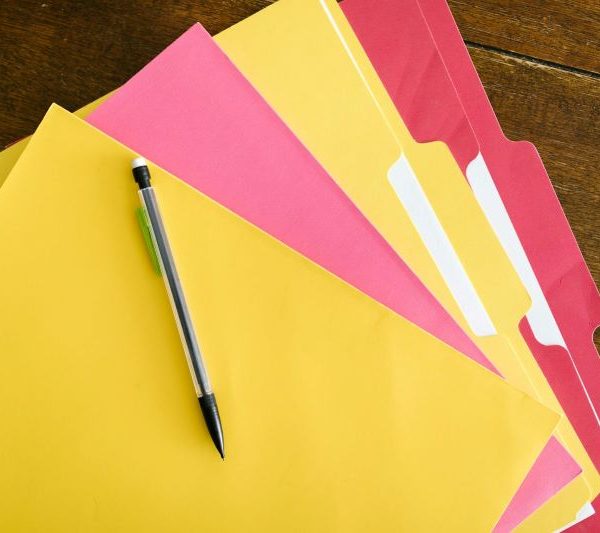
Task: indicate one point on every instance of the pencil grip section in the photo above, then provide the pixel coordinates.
(142, 218)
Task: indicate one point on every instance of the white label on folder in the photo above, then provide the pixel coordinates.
(585, 512)
(540, 317)
(412, 196)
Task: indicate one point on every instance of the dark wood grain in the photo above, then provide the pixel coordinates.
(73, 51)
(557, 31)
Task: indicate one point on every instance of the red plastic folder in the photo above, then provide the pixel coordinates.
(421, 58)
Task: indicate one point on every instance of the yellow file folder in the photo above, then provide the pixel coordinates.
(303, 56)
(339, 415)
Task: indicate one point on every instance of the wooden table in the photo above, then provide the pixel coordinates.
(539, 60)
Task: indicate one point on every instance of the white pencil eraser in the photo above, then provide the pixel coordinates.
(138, 162)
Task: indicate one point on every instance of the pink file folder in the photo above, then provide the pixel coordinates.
(529, 197)
(419, 54)
(192, 112)
(547, 238)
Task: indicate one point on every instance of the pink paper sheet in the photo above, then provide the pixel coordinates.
(398, 41)
(191, 112)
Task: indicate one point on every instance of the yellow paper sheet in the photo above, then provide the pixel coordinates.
(304, 58)
(339, 415)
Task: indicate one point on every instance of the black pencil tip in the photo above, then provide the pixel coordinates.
(219, 444)
(208, 404)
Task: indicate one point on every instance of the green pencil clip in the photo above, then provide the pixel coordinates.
(144, 223)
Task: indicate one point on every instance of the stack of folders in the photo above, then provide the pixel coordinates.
(394, 314)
